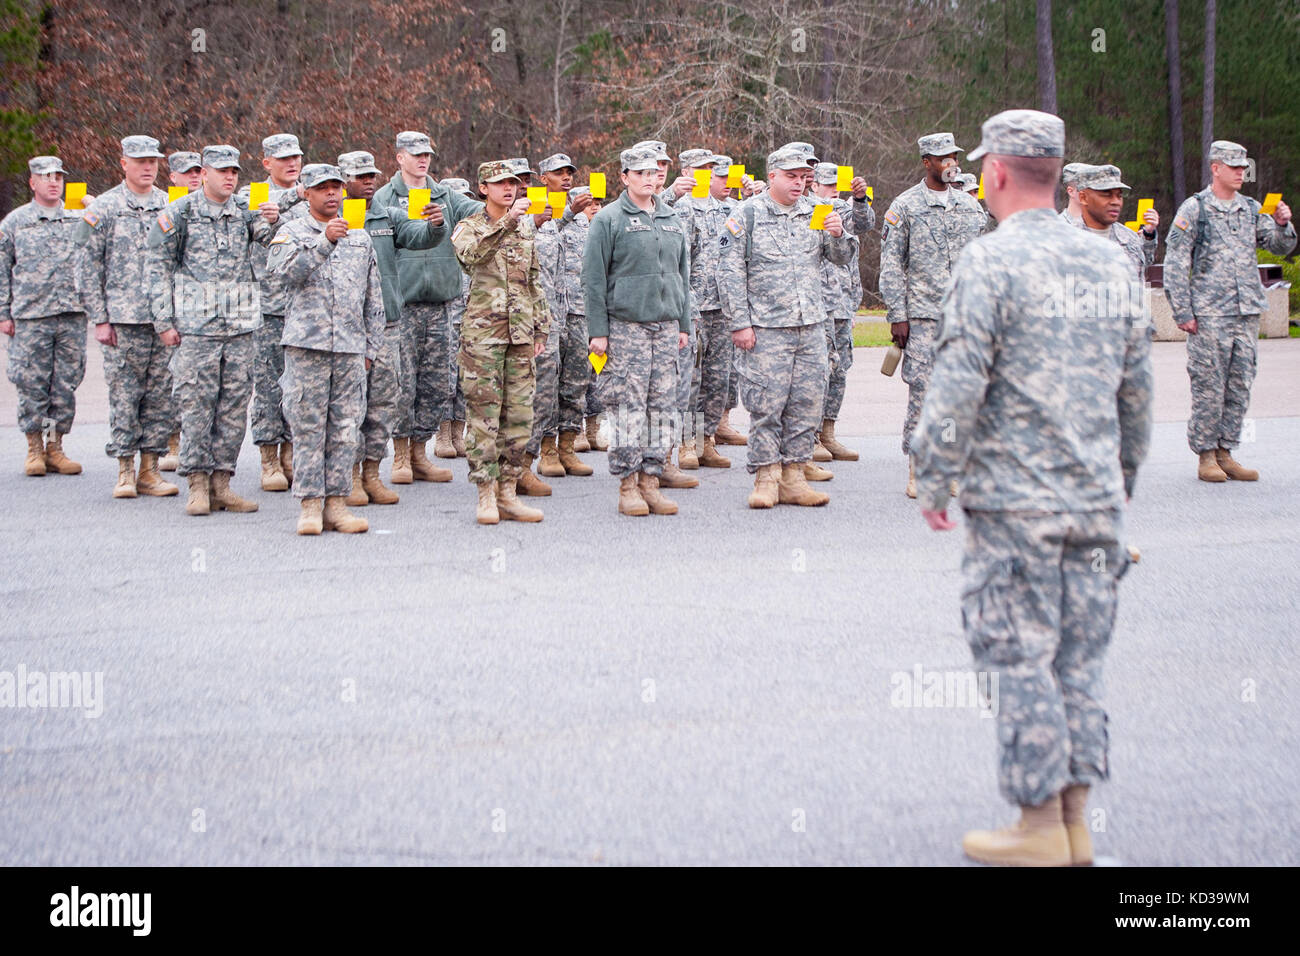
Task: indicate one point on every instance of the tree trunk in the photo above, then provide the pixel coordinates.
(1207, 105)
(1046, 61)
(1175, 102)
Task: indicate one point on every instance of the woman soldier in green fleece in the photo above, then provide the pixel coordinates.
(636, 284)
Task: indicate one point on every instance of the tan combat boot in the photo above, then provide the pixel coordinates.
(838, 451)
(630, 501)
(820, 452)
(487, 503)
(1039, 839)
(765, 493)
(374, 488)
(310, 519)
(458, 438)
(529, 484)
(358, 497)
(572, 464)
(1207, 469)
(286, 461)
(442, 446)
(1227, 464)
(911, 479)
(674, 477)
(149, 481)
(58, 463)
(580, 442)
(1074, 799)
(34, 464)
(687, 459)
(592, 428)
(422, 468)
(273, 478)
(223, 499)
(510, 508)
(336, 517)
(401, 474)
(793, 489)
(648, 485)
(199, 502)
(726, 435)
(125, 487)
(550, 466)
(709, 457)
(814, 472)
(171, 461)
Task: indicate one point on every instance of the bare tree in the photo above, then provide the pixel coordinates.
(1046, 59)
(1175, 102)
(1207, 104)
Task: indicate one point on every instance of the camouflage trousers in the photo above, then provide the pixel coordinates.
(324, 403)
(47, 361)
(575, 373)
(733, 380)
(782, 384)
(711, 374)
(638, 389)
(685, 373)
(1038, 608)
(141, 414)
(839, 346)
(381, 399)
(269, 427)
(499, 382)
(918, 363)
(458, 403)
(428, 393)
(546, 393)
(1221, 366)
(214, 381)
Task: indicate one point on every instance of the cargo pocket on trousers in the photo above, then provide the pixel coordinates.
(987, 611)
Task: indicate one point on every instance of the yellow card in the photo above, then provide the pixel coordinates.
(871, 195)
(701, 188)
(734, 174)
(1143, 206)
(980, 194)
(597, 361)
(537, 196)
(1268, 208)
(354, 211)
(416, 200)
(556, 202)
(176, 192)
(73, 194)
(1134, 225)
(820, 212)
(258, 193)
(843, 178)
(345, 192)
(597, 184)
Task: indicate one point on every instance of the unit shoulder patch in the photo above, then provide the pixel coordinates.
(165, 222)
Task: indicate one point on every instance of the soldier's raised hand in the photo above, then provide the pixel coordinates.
(432, 212)
(682, 185)
(270, 211)
(1151, 218)
(336, 229)
(518, 208)
(1282, 214)
(834, 224)
(859, 187)
(581, 202)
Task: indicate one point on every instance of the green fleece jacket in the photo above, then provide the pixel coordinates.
(428, 275)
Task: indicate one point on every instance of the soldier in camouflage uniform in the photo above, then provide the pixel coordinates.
(1044, 415)
(333, 334)
(769, 281)
(504, 330)
(1101, 198)
(1212, 280)
(185, 169)
(457, 309)
(1070, 181)
(42, 313)
(116, 289)
(201, 247)
(924, 232)
(282, 159)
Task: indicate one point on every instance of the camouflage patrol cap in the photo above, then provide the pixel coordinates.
(522, 166)
(220, 157)
(786, 159)
(141, 147)
(417, 144)
(721, 165)
(1071, 173)
(457, 186)
(556, 161)
(280, 146)
(183, 162)
(498, 171)
(969, 183)
(825, 173)
(315, 174)
(660, 148)
(639, 157)
(1100, 178)
(696, 158)
(1228, 153)
(579, 191)
(1030, 133)
(805, 149)
(357, 163)
(938, 144)
(44, 165)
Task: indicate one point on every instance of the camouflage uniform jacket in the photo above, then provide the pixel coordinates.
(115, 283)
(274, 294)
(506, 304)
(38, 252)
(921, 238)
(388, 233)
(560, 243)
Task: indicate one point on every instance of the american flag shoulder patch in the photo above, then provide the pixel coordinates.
(892, 218)
(1181, 223)
(91, 218)
(734, 227)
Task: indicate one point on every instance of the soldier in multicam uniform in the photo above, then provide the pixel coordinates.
(282, 159)
(636, 286)
(769, 281)
(457, 310)
(387, 234)
(1101, 198)
(42, 312)
(116, 288)
(1045, 420)
(504, 330)
(1212, 280)
(924, 231)
(185, 170)
(201, 248)
(333, 333)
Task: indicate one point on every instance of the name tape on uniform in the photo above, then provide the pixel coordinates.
(74, 195)
(843, 178)
(416, 200)
(597, 361)
(1269, 205)
(701, 187)
(258, 193)
(537, 198)
(354, 211)
(820, 212)
(597, 183)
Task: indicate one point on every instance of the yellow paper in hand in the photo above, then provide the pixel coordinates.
(416, 200)
(354, 211)
(843, 178)
(1268, 207)
(537, 196)
(1134, 225)
(980, 194)
(597, 184)
(735, 173)
(1143, 206)
(597, 361)
(820, 212)
(701, 187)
(73, 194)
(556, 201)
(258, 193)
(176, 192)
(871, 195)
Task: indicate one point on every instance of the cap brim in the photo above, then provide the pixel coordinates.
(502, 179)
(223, 165)
(975, 153)
(286, 154)
(145, 155)
(322, 182)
